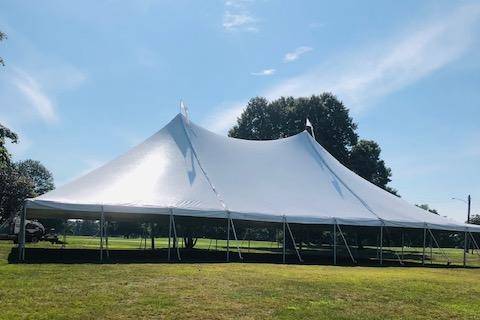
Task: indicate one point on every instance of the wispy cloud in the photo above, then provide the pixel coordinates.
(295, 54)
(237, 17)
(35, 95)
(360, 78)
(265, 72)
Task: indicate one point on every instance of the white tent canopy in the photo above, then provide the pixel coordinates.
(187, 170)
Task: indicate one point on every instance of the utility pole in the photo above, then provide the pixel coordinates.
(469, 204)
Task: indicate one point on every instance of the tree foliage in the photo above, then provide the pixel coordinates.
(427, 207)
(334, 129)
(40, 177)
(475, 219)
(3, 36)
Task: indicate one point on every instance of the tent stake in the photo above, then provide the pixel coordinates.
(236, 239)
(335, 243)
(424, 243)
(346, 244)
(284, 240)
(293, 241)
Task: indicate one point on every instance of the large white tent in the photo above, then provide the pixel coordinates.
(186, 170)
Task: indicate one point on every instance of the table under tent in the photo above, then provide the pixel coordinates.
(187, 172)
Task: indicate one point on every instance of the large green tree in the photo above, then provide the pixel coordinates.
(40, 177)
(334, 129)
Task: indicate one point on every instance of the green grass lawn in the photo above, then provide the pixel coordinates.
(232, 291)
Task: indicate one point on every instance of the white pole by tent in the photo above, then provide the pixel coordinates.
(175, 239)
(465, 250)
(346, 244)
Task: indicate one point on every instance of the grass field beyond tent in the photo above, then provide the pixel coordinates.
(232, 291)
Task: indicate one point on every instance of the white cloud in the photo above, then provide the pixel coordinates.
(295, 54)
(239, 21)
(369, 74)
(265, 72)
(36, 96)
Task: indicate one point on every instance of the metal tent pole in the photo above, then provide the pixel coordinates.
(106, 239)
(346, 244)
(465, 249)
(403, 242)
(293, 241)
(101, 234)
(474, 242)
(335, 243)
(236, 239)
(284, 241)
(228, 236)
(424, 243)
(438, 246)
(175, 237)
(169, 233)
(381, 244)
(21, 235)
(152, 236)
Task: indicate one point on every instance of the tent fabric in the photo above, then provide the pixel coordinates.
(184, 169)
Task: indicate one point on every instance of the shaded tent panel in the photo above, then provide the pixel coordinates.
(187, 170)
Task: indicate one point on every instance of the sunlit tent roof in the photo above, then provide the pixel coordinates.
(184, 169)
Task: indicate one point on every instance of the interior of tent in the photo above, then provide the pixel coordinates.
(186, 182)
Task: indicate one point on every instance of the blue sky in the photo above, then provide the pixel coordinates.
(84, 81)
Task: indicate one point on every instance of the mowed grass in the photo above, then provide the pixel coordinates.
(231, 291)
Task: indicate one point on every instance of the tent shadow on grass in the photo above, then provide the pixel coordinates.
(197, 256)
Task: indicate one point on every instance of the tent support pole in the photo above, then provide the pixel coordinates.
(335, 243)
(293, 241)
(21, 235)
(403, 242)
(395, 252)
(152, 236)
(106, 239)
(346, 244)
(102, 217)
(228, 236)
(424, 244)
(236, 239)
(381, 244)
(474, 242)
(465, 249)
(169, 234)
(438, 246)
(175, 237)
(284, 241)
